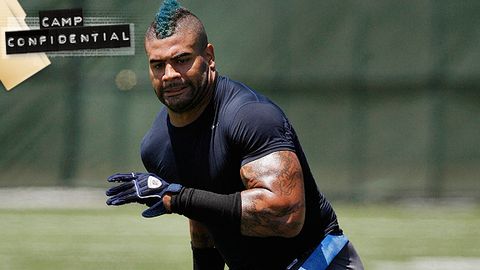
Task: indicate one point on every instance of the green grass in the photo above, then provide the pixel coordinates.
(118, 238)
(401, 233)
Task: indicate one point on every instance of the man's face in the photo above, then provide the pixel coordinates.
(179, 70)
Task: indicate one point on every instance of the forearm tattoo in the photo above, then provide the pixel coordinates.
(274, 202)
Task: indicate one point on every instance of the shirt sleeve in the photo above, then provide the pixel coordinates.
(259, 129)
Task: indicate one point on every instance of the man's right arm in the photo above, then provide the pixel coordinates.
(205, 255)
(199, 235)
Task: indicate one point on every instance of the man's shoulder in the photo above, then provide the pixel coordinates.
(232, 96)
(241, 107)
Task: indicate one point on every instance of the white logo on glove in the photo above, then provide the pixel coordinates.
(153, 182)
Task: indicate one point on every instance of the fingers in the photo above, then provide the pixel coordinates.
(120, 188)
(127, 196)
(154, 211)
(143, 188)
(122, 177)
(123, 193)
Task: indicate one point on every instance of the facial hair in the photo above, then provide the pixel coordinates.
(188, 100)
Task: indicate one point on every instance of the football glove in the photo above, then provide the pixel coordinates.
(144, 188)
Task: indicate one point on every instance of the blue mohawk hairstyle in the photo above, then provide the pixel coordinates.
(164, 18)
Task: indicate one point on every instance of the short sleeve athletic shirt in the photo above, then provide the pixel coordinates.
(238, 126)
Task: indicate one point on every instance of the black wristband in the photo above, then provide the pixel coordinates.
(207, 259)
(208, 207)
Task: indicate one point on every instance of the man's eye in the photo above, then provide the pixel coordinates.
(158, 66)
(182, 60)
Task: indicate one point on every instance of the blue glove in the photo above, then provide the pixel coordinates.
(144, 188)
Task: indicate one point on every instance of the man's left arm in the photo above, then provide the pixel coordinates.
(273, 203)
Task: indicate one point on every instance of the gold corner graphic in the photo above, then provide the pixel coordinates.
(15, 69)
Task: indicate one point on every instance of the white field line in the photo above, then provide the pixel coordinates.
(430, 263)
(25, 198)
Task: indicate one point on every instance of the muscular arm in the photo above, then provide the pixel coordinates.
(274, 202)
(205, 255)
(199, 235)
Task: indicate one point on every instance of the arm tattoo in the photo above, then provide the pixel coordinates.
(274, 202)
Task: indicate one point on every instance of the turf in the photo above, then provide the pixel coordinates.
(403, 233)
(118, 238)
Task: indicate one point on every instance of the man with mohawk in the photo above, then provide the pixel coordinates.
(227, 158)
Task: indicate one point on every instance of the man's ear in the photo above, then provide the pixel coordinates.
(210, 56)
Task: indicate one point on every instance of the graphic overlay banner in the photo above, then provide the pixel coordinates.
(69, 38)
(63, 30)
(61, 18)
(15, 69)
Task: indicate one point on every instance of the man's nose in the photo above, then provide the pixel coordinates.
(170, 73)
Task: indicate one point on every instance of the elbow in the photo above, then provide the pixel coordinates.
(292, 219)
(273, 217)
(294, 224)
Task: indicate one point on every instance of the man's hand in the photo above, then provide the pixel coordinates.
(144, 188)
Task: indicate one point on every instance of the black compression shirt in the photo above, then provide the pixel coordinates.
(237, 127)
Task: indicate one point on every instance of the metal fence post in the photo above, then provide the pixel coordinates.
(437, 96)
(73, 116)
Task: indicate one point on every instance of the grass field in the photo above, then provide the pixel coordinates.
(387, 237)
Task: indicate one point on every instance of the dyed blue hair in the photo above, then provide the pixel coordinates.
(164, 19)
(167, 19)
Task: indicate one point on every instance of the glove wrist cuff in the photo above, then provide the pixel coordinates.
(174, 188)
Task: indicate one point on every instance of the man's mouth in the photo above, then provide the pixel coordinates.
(174, 91)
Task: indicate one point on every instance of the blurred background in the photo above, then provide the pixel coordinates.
(384, 95)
